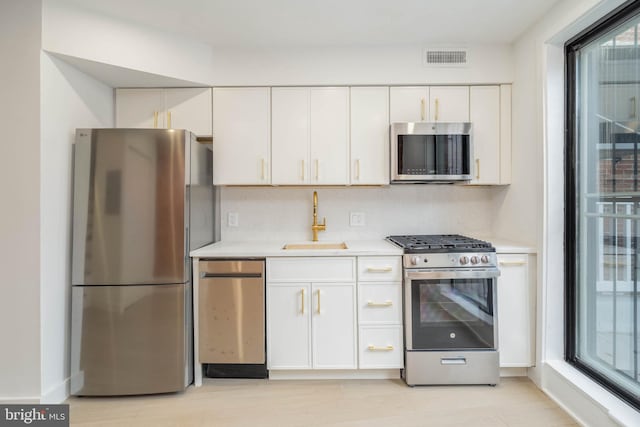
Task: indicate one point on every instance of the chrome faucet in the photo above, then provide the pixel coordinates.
(315, 227)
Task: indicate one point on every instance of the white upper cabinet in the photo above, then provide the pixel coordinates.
(189, 108)
(310, 136)
(179, 108)
(490, 116)
(140, 108)
(330, 135)
(408, 104)
(448, 104)
(369, 135)
(424, 103)
(242, 136)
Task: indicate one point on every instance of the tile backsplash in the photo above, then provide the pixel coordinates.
(277, 213)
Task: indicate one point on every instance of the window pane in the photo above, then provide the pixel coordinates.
(608, 203)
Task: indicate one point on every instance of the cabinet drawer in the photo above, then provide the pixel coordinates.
(380, 269)
(380, 303)
(311, 269)
(381, 347)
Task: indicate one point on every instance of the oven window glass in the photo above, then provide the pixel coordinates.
(452, 314)
(433, 154)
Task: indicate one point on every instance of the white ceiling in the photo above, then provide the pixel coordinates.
(282, 23)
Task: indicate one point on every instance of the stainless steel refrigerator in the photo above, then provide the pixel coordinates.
(142, 199)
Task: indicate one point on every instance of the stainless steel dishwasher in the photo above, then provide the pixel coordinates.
(232, 318)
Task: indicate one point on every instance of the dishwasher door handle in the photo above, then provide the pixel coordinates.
(231, 275)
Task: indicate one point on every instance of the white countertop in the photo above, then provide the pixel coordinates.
(506, 246)
(230, 249)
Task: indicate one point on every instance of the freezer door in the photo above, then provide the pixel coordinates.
(130, 339)
(130, 206)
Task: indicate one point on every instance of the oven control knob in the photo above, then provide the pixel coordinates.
(464, 260)
(474, 260)
(484, 259)
(415, 260)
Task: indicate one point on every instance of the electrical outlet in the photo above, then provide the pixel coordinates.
(232, 219)
(356, 219)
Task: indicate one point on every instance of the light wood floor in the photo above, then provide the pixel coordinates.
(388, 403)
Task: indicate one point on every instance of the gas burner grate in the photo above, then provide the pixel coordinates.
(439, 243)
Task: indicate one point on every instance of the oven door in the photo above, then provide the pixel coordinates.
(450, 309)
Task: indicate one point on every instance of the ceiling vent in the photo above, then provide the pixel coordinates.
(446, 57)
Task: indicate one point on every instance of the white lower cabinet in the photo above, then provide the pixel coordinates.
(380, 341)
(380, 346)
(311, 313)
(516, 310)
(288, 326)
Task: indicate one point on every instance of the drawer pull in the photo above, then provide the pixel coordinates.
(379, 269)
(387, 303)
(508, 263)
(374, 348)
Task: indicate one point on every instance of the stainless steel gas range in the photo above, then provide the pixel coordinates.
(449, 296)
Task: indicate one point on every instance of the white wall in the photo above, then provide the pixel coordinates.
(70, 99)
(356, 65)
(538, 128)
(71, 31)
(20, 195)
(285, 214)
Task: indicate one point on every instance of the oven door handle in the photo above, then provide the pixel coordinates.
(487, 273)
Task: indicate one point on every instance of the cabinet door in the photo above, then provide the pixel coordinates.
(242, 126)
(334, 326)
(370, 135)
(289, 326)
(290, 135)
(449, 104)
(188, 108)
(408, 104)
(485, 119)
(140, 108)
(515, 310)
(329, 133)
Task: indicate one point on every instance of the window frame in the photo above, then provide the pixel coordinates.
(572, 46)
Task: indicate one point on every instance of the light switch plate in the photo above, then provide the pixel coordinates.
(232, 219)
(356, 219)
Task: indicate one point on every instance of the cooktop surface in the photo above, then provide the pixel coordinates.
(432, 243)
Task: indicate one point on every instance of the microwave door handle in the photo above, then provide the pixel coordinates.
(489, 273)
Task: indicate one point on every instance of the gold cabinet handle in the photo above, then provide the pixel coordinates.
(379, 269)
(318, 301)
(317, 169)
(357, 169)
(512, 263)
(168, 119)
(302, 174)
(155, 119)
(632, 107)
(387, 303)
(302, 300)
(437, 109)
(422, 105)
(374, 348)
(262, 169)
(477, 168)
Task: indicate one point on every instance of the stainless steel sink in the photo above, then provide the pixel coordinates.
(315, 246)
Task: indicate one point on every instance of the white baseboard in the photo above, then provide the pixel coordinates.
(321, 374)
(56, 394)
(513, 372)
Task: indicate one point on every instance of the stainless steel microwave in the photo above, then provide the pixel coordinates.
(430, 152)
